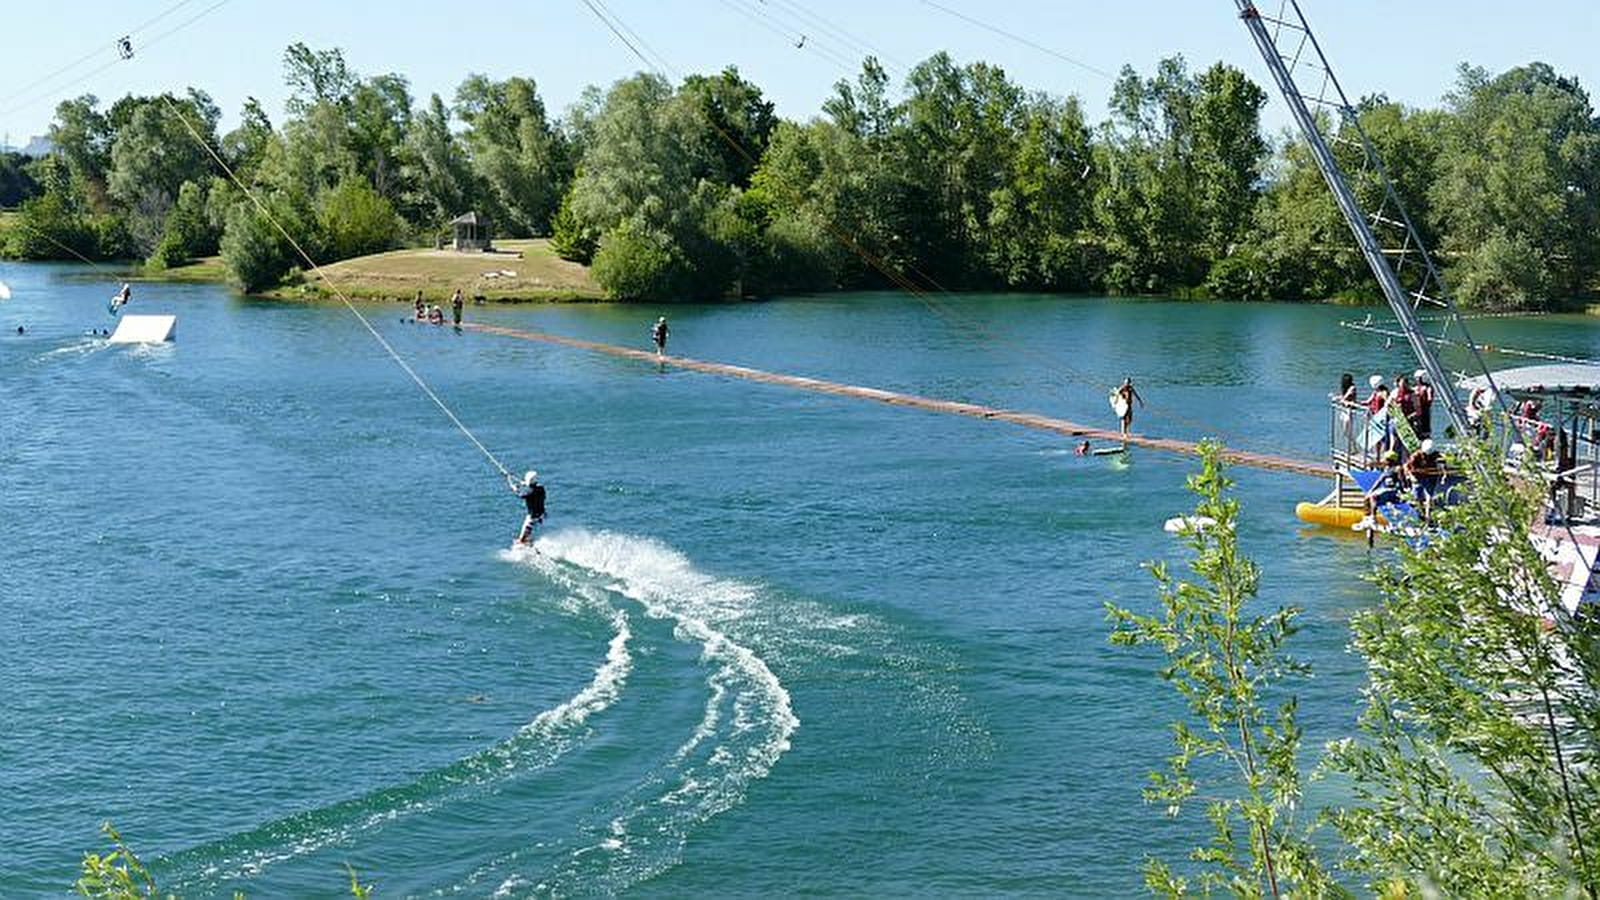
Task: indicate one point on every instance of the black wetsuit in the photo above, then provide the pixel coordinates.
(533, 496)
(659, 332)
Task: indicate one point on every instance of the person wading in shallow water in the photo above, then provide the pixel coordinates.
(532, 494)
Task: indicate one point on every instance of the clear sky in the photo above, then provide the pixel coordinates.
(1408, 50)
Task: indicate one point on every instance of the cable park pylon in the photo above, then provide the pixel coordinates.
(1385, 232)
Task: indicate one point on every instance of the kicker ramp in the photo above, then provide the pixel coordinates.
(145, 330)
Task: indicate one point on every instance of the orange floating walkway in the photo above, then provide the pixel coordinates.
(949, 407)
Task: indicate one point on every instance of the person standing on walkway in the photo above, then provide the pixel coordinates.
(455, 307)
(658, 333)
(1127, 394)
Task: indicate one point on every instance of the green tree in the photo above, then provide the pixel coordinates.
(245, 147)
(638, 179)
(1228, 155)
(729, 123)
(520, 159)
(634, 262)
(188, 232)
(1239, 746)
(380, 118)
(50, 226)
(1147, 207)
(255, 254)
(1034, 233)
(436, 168)
(16, 182)
(354, 220)
(82, 136)
(1522, 159)
(569, 237)
(316, 77)
(1473, 771)
(153, 154)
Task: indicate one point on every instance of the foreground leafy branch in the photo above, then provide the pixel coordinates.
(1472, 772)
(121, 875)
(1241, 742)
(1474, 769)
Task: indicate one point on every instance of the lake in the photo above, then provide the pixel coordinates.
(262, 616)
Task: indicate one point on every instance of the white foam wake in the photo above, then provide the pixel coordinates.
(745, 727)
(539, 743)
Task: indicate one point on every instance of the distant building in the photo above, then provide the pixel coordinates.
(472, 232)
(38, 147)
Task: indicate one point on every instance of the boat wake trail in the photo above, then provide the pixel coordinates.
(745, 725)
(536, 745)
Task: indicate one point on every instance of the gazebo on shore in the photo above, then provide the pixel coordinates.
(472, 232)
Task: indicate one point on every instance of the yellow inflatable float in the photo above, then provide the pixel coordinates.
(1332, 516)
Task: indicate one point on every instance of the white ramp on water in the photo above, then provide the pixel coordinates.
(5, 292)
(145, 330)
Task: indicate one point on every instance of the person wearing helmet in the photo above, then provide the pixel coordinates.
(658, 333)
(532, 494)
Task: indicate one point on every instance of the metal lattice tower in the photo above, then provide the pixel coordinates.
(1391, 244)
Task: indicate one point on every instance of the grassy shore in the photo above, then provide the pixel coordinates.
(519, 271)
(208, 268)
(525, 270)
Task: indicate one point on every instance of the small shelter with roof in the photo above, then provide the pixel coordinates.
(472, 232)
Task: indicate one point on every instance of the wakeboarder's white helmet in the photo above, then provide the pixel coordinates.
(1427, 445)
(531, 477)
(1375, 381)
(661, 320)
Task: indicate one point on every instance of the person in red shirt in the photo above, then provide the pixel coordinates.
(1423, 422)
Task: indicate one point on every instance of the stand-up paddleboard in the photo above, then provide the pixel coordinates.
(1119, 403)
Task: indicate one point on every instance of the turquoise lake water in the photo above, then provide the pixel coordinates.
(260, 612)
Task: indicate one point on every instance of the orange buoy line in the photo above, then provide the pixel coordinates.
(1027, 420)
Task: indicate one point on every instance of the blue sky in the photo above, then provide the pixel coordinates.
(1407, 50)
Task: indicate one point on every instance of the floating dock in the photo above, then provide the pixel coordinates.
(949, 407)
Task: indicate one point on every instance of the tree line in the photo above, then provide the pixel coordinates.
(961, 179)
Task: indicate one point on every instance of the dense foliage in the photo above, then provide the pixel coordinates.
(1470, 771)
(959, 179)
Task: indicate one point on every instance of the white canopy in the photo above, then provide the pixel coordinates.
(1560, 378)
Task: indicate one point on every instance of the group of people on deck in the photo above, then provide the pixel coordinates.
(1411, 399)
(1401, 426)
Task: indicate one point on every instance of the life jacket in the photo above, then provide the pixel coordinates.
(533, 496)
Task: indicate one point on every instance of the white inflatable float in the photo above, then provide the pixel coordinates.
(1180, 524)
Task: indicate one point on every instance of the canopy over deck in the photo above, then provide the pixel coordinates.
(1561, 379)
